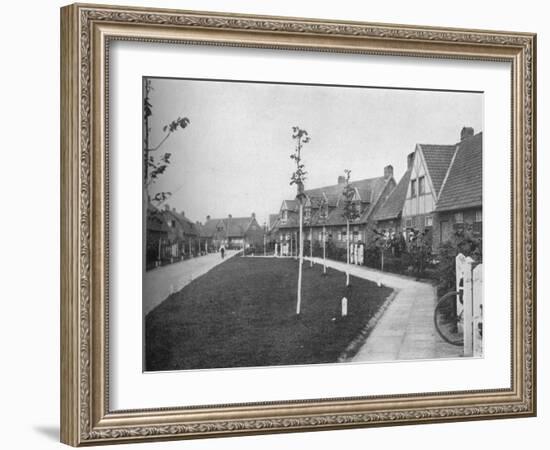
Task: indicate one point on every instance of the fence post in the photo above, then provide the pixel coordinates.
(464, 274)
(478, 311)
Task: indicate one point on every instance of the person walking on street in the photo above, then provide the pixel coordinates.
(222, 251)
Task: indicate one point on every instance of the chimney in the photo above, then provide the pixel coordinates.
(230, 216)
(182, 213)
(207, 217)
(174, 210)
(388, 171)
(167, 207)
(466, 133)
(341, 179)
(410, 159)
(253, 215)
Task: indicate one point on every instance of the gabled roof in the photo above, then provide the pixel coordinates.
(368, 189)
(237, 226)
(209, 228)
(438, 158)
(393, 205)
(273, 220)
(463, 186)
(187, 226)
(233, 226)
(291, 205)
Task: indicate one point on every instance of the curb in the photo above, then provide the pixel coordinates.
(354, 346)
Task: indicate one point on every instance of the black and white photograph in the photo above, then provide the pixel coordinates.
(292, 224)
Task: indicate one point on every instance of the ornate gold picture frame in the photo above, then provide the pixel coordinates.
(87, 32)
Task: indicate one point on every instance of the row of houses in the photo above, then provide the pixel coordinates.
(173, 236)
(440, 191)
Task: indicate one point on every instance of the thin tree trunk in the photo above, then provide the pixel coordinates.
(311, 247)
(299, 295)
(347, 252)
(324, 250)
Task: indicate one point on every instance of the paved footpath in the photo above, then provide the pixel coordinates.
(159, 283)
(406, 329)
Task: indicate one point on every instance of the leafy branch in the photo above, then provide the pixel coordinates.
(299, 175)
(351, 212)
(154, 167)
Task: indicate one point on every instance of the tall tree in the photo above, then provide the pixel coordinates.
(298, 177)
(351, 213)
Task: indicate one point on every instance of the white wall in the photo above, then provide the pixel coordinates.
(29, 331)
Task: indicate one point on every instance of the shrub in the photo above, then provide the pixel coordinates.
(463, 241)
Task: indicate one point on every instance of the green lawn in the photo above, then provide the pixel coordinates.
(242, 314)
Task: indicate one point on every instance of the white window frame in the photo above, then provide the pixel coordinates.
(479, 216)
(459, 217)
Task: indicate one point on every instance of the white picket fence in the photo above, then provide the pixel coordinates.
(469, 280)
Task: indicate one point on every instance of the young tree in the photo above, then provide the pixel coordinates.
(298, 177)
(351, 213)
(323, 217)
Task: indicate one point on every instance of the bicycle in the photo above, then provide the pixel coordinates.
(448, 323)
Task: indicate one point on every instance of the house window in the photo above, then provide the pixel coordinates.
(285, 216)
(459, 217)
(429, 221)
(421, 185)
(339, 235)
(479, 216)
(408, 223)
(413, 188)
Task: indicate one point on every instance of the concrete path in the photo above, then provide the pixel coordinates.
(159, 283)
(405, 330)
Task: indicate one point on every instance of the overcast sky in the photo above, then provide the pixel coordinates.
(234, 156)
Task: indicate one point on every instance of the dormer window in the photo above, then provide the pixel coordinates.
(284, 218)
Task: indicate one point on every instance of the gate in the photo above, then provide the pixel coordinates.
(469, 281)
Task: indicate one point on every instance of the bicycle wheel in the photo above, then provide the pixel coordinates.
(446, 320)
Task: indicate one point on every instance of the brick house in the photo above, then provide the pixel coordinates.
(169, 235)
(324, 206)
(440, 190)
(183, 234)
(233, 232)
(460, 200)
